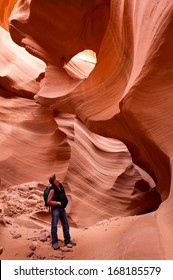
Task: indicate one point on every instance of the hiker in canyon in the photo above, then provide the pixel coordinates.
(58, 200)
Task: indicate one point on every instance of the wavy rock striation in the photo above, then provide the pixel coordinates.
(55, 122)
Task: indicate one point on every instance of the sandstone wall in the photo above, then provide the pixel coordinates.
(52, 122)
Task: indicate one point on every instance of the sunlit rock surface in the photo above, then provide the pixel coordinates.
(55, 119)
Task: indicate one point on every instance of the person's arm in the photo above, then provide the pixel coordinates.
(50, 199)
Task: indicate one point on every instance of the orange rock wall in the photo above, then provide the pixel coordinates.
(128, 97)
(6, 6)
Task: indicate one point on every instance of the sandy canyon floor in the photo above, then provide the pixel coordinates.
(25, 230)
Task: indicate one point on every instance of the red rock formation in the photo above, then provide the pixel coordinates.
(126, 97)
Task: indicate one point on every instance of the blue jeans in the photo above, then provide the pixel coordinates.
(59, 213)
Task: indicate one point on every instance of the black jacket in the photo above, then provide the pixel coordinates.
(59, 195)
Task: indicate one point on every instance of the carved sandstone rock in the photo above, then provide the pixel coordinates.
(52, 122)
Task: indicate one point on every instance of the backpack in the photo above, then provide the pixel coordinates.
(45, 196)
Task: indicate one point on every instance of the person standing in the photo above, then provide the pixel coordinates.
(58, 200)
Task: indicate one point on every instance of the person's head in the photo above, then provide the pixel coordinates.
(53, 180)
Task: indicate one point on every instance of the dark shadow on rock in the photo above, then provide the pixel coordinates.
(144, 198)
